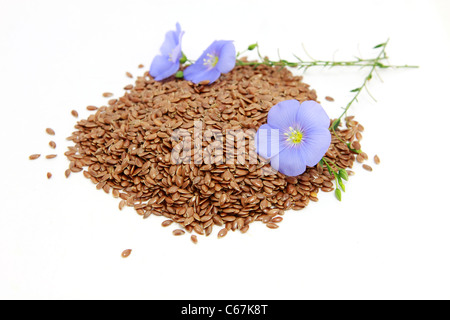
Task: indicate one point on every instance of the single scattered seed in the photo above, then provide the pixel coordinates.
(126, 253)
(67, 173)
(91, 108)
(51, 156)
(178, 232)
(49, 175)
(166, 223)
(50, 131)
(52, 144)
(272, 226)
(367, 167)
(329, 99)
(358, 136)
(34, 156)
(129, 75)
(140, 66)
(222, 233)
(194, 239)
(359, 158)
(122, 204)
(376, 159)
(277, 219)
(74, 113)
(107, 94)
(356, 145)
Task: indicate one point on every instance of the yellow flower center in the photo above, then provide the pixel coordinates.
(211, 61)
(294, 136)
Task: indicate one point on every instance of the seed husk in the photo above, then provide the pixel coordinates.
(126, 253)
(178, 232)
(34, 156)
(376, 159)
(222, 233)
(277, 219)
(166, 223)
(50, 131)
(356, 145)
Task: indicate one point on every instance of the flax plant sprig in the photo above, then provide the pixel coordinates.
(304, 65)
(378, 62)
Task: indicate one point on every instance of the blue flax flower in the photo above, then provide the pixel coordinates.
(295, 136)
(220, 57)
(168, 62)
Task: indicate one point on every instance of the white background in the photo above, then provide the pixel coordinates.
(388, 239)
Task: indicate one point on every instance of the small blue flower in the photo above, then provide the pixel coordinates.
(295, 136)
(168, 62)
(220, 57)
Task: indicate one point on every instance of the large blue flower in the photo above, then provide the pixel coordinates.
(220, 57)
(168, 62)
(295, 136)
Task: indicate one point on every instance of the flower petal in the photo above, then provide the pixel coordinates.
(163, 68)
(312, 115)
(314, 145)
(172, 40)
(199, 72)
(268, 141)
(283, 115)
(289, 162)
(227, 56)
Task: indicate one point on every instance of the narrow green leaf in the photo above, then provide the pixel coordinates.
(355, 90)
(338, 194)
(252, 46)
(351, 149)
(329, 168)
(335, 124)
(379, 45)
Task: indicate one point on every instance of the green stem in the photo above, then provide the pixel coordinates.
(301, 64)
